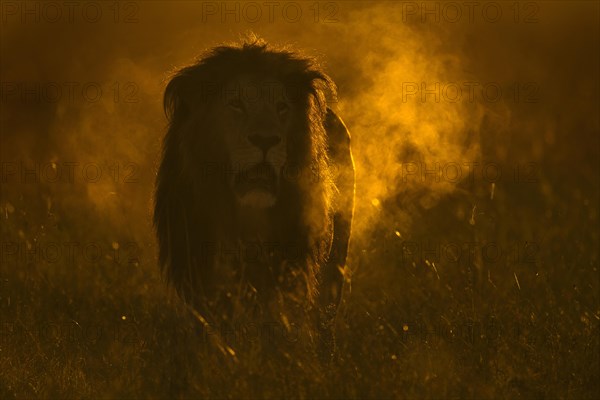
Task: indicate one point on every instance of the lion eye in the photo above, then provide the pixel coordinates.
(282, 108)
(236, 105)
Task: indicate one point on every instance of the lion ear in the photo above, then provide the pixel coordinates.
(184, 93)
(173, 101)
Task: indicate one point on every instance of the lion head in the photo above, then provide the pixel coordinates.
(244, 191)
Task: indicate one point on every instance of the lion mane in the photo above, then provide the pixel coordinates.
(196, 216)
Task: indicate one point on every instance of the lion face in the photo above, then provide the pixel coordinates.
(255, 118)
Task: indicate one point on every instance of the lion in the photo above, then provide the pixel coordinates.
(254, 195)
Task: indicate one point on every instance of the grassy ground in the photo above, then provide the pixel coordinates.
(458, 322)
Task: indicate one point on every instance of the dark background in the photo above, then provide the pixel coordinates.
(474, 254)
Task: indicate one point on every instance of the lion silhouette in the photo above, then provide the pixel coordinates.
(255, 190)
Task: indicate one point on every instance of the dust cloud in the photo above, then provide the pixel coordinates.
(430, 98)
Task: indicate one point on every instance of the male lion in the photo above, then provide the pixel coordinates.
(255, 192)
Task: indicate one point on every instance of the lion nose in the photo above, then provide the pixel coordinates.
(264, 142)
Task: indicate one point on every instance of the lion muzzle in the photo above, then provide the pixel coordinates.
(257, 186)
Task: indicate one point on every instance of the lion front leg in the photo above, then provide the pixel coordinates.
(326, 317)
(331, 279)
